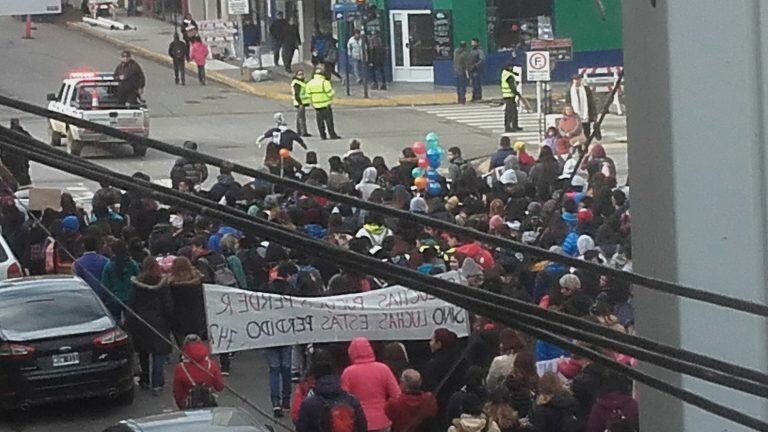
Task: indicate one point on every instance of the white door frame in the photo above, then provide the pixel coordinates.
(406, 72)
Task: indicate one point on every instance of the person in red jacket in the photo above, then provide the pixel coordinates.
(196, 366)
(413, 407)
(371, 382)
(472, 249)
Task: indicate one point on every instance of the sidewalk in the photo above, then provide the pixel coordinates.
(151, 38)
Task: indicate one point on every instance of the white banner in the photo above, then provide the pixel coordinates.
(241, 320)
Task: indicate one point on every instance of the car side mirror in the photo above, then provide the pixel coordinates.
(51, 97)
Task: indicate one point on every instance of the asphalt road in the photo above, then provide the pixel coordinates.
(225, 123)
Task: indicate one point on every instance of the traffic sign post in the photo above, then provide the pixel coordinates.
(538, 68)
(239, 8)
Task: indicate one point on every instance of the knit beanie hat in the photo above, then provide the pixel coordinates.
(470, 268)
(418, 205)
(70, 224)
(570, 281)
(445, 337)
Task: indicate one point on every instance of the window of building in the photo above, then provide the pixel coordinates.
(513, 23)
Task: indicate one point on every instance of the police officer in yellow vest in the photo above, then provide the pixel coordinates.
(509, 93)
(321, 95)
(301, 101)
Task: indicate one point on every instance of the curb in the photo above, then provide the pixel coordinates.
(398, 101)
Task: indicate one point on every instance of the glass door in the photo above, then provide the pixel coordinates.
(413, 42)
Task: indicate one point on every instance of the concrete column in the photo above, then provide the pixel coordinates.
(696, 99)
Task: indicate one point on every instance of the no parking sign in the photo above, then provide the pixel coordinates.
(537, 66)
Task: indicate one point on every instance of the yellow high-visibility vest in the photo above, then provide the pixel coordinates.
(305, 100)
(320, 91)
(506, 90)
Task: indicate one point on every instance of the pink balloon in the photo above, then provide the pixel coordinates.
(419, 148)
(423, 163)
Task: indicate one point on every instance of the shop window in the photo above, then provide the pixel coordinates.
(513, 23)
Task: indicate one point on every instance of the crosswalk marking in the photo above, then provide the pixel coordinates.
(491, 118)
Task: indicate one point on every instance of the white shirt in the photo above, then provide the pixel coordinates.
(579, 102)
(355, 48)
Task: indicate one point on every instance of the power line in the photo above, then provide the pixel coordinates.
(656, 284)
(391, 272)
(676, 359)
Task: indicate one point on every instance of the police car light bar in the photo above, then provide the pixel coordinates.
(91, 75)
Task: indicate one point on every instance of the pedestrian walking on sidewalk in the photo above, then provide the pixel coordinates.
(461, 68)
(291, 41)
(277, 31)
(355, 55)
(321, 95)
(198, 52)
(189, 30)
(301, 101)
(476, 63)
(331, 58)
(179, 54)
(377, 56)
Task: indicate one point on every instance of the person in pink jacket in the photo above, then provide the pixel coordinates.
(198, 53)
(371, 382)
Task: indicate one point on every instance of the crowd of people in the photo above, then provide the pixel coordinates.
(133, 251)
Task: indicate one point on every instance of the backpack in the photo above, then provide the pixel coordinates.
(178, 51)
(199, 396)
(619, 422)
(341, 416)
(569, 422)
(219, 269)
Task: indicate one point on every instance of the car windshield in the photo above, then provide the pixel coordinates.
(20, 314)
(104, 92)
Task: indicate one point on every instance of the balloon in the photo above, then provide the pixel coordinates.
(432, 175)
(433, 143)
(423, 162)
(419, 148)
(285, 153)
(431, 137)
(434, 188)
(435, 156)
(420, 182)
(418, 172)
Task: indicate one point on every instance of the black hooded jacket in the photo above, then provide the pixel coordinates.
(313, 414)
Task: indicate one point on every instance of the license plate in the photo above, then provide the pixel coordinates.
(67, 359)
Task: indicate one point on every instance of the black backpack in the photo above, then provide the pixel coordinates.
(199, 396)
(619, 422)
(219, 270)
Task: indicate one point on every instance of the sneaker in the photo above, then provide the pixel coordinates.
(383, 87)
(306, 135)
(157, 391)
(335, 137)
(323, 137)
(277, 412)
(517, 129)
(225, 373)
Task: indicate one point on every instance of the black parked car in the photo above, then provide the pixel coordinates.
(59, 342)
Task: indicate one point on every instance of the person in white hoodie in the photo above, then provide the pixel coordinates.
(368, 184)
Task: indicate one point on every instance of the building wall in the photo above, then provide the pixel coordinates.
(581, 21)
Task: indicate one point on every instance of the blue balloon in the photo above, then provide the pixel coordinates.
(434, 188)
(432, 175)
(433, 143)
(434, 161)
(418, 172)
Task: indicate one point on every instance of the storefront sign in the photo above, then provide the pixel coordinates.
(443, 30)
(241, 320)
(559, 49)
(238, 7)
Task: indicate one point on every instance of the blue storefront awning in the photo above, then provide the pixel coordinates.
(409, 4)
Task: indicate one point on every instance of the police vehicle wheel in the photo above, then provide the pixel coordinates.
(139, 151)
(55, 137)
(74, 147)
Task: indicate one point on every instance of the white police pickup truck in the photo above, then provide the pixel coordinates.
(93, 97)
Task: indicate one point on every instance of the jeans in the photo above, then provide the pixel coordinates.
(279, 360)
(179, 71)
(324, 117)
(477, 86)
(152, 370)
(461, 87)
(378, 71)
(301, 120)
(288, 53)
(201, 74)
(357, 68)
